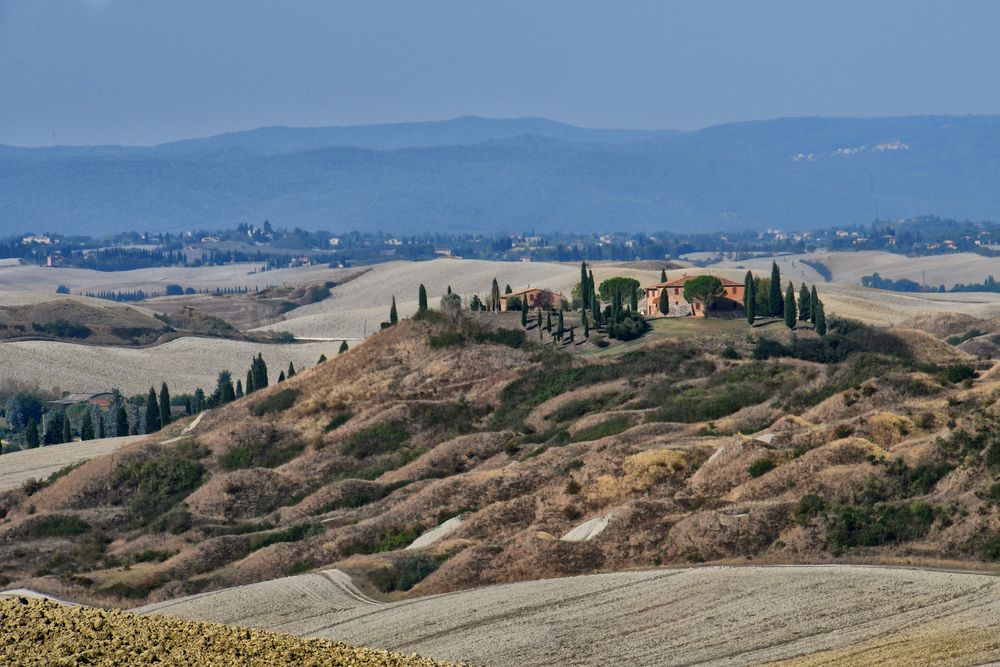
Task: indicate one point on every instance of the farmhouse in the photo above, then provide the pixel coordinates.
(533, 297)
(102, 400)
(731, 298)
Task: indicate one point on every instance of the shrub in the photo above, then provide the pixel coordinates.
(842, 431)
(405, 573)
(396, 538)
(156, 483)
(761, 466)
(337, 421)
(63, 329)
(278, 402)
(55, 525)
(957, 373)
(877, 525)
(379, 439)
(572, 487)
(808, 507)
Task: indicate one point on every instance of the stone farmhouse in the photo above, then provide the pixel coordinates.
(730, 300)
(534, 297)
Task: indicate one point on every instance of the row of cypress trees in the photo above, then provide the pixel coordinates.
(809, 307)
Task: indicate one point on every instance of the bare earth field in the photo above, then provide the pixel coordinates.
(185, 363)
(795, 615)
(29, 284)
(18, 467)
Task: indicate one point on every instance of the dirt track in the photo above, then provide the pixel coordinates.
(708, 616)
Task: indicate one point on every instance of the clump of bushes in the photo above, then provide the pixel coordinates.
(154, 484)
(405, 573)
(55, 525)
(262, 450)
(761, 466)
(63, 329)
(278, 402)
(879, 524)
(293, 534)
(607, 428)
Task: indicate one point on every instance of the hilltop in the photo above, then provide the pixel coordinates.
(476, 175)
(525, 462)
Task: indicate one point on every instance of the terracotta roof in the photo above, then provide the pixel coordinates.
(679, 282)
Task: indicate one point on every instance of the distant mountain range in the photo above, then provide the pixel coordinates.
(484, 175)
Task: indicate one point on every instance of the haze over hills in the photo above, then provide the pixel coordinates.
(482, 175)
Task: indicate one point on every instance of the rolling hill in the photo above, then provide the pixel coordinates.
(485, 176)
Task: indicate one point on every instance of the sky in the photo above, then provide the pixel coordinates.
(145, 72)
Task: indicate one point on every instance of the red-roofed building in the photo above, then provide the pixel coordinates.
(730, 300)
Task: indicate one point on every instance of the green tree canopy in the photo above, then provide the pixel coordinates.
(618, 285)
(422, 299)
(776, 303)
(152, 412)
(164, 405)
(790, 315)
(704, 289)
(750, 297)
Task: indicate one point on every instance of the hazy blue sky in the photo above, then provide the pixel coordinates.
(135, 71)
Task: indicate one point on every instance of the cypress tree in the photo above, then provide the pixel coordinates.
(449, 288)
(586, 325)
(507, 290)
(422, 299)
(259, 372)
(67, 430)
(548, 321)
(820, 314)
(121, 421)
(524, 315)
(663, 275)
(775, 303)
(750, 298)
(664, 304)
(199, 399)
(249, 384)
(322, 358)
(31, 434)
(494, 296)
(281, 377)
(561, 329)
(805, 309)
(813, 301)
(538, 323)
(393, 317)
(343, 346)
(790, 317)
(134, 428)
(291, 370)
(584, 287)
(152, 412)
(633, 302)
(100, 425)
(164, 405)
(87, 427)
(239, 389)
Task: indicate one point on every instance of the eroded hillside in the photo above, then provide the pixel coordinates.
(511, 462)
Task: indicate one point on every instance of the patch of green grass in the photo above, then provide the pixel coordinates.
(293, 534)
(382, 438)
(612, 426)
(279, 402)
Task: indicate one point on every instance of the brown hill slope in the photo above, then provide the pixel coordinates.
(862, 449)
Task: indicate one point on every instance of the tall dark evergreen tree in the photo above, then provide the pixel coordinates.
(524, 315)
(343, 347)
(121, 421)
(422, 299)
(322, 358)
(775, 302)
(562, 329)
(548, 322)
(393, 316)
(31, 434)
(259, 368)
(152, 412)
(538, 323)
(790, 315)
(281, 377)
(67, 429)
(633, 301)
(584, 287)
(664, 301)
(164, 405)
(291, 370)
(663, 275)
(813, 301)
(100, 425)
(87, 426)
(586, 325)
(249, 383)
(750, 298)
(239, 389)
(805, 309)
(199, 400)
(820, 314)
(507, 289)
